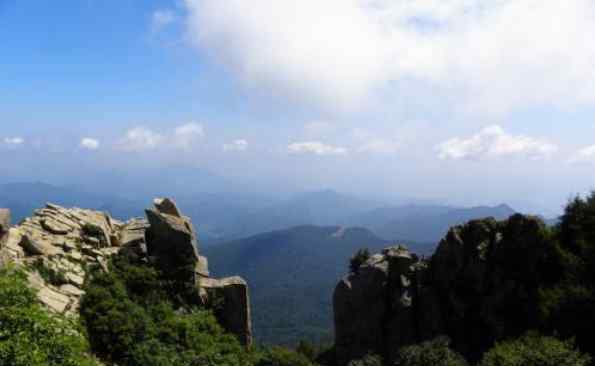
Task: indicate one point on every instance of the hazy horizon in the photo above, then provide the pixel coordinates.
(460, 103)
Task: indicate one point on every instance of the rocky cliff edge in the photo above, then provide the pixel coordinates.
(57, 245)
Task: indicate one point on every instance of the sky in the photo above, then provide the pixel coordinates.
(458, 101)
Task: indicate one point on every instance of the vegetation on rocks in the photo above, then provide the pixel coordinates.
(30, 335)
(488, 281)
(436, 352)
(134, 318)
(359, 258)
(535, 350)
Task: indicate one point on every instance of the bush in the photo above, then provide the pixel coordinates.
(29, 335)
(133, 318)
(278, 356)
(359, 258)
(50, 275)
(369, 360)
(431, 353)
(535, 350)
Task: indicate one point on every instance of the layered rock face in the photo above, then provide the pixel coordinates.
(57, 245)
(476, 289)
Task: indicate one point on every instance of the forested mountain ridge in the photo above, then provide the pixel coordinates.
(291, 274)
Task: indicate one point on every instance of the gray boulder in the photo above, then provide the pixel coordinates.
(231, 301)
(172, 243)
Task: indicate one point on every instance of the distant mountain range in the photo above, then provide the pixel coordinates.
(222, 217)
(292, 273)
(424, 223)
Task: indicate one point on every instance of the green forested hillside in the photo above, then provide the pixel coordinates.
(292, 274)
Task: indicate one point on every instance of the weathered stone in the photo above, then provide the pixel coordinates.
(75, 279)
(234, 313)
(202, 266)
(12, 242)
(37, 245)
(71, 290)
(55, 227)
(172, 242)
(167, 206)
(4, 221)
(53, 299)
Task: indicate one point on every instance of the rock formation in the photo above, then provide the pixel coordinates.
(172, 243)
(479, 283)
(57, 245)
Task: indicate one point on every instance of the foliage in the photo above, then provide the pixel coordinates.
(133, 319)
(567, 306)
(359, 258)
(278, 356)
(29, 335)
(535, 350)
(50, 275)
(368, 360)
(309, 350)
(292, 274)
(431, 353)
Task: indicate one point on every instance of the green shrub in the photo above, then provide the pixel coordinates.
(278, 356)
(369, 360)
(133, 318)
(535, 350)
(29, 335)
(359, 258)
(431, 353)
(50, 275)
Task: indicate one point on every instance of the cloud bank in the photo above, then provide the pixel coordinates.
(494, 55)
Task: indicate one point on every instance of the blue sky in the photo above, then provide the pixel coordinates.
(459, 101)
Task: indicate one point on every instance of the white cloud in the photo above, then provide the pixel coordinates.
(584, 155)
(315, 147)
(89, 143)
(496, 55)
(185, 136)
(494, 142)
(380, 146)
(161, 19)
(236, 145)
(14, 141)
(140, 138)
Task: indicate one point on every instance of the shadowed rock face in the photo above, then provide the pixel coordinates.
(173, 244)
(477, 288)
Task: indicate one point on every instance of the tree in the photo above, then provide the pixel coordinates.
(535, 350)
(431, 353)
(30, 335)
(133, 319)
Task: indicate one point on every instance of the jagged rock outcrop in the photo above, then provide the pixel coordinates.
(57, 245)
(173, 244)
(478, 287)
